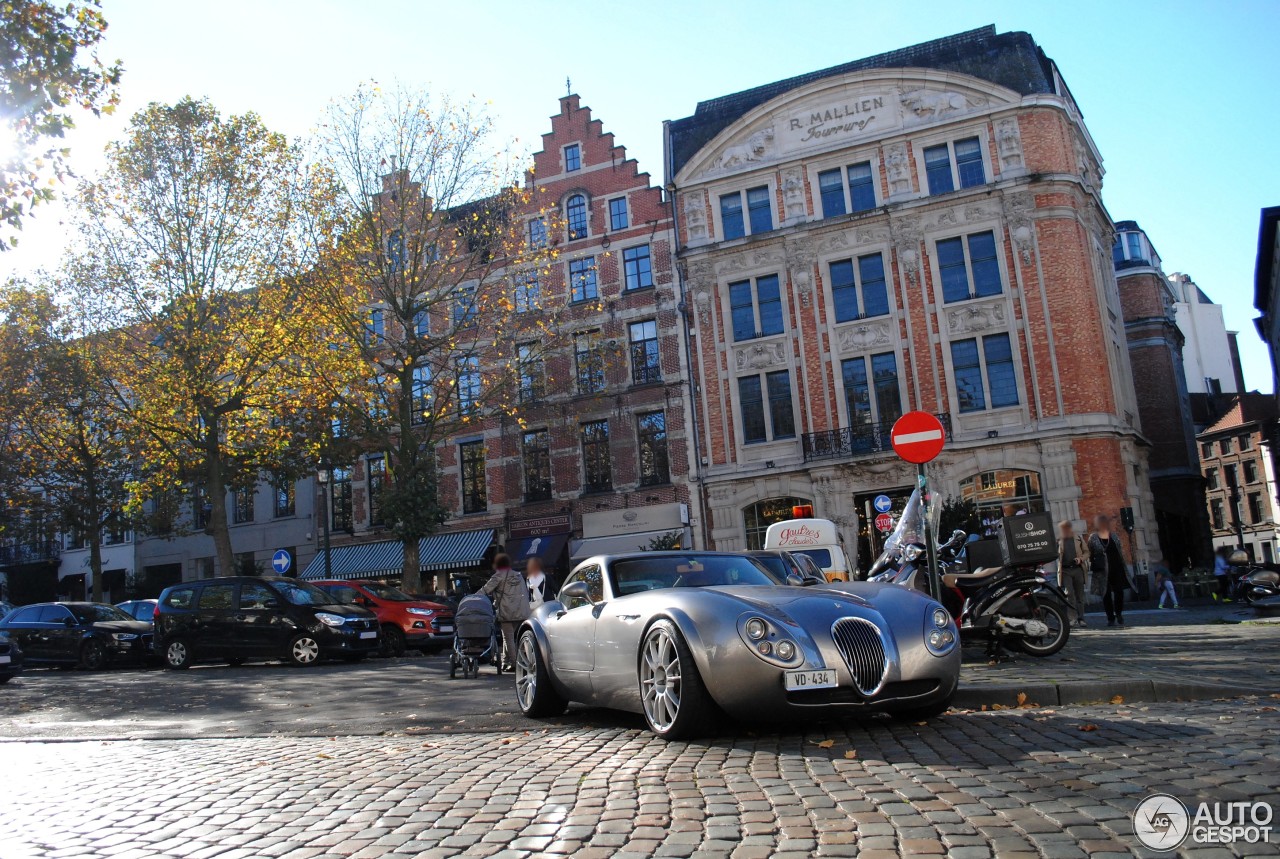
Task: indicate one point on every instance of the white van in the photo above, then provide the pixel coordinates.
(817, 538)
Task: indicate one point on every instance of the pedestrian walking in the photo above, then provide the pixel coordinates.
(1222, 572)
(1110, 577)
(1164, 585)
(537, 582)
(511, 603)
(1073, 560)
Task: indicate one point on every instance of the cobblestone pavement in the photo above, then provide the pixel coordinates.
(1020, 783)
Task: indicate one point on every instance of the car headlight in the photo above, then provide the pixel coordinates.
(940, 633)
(124, 636)
(330, 619)
(786, 650)
(425, 612)
(769, 642)
(940, 618)
(756, 629)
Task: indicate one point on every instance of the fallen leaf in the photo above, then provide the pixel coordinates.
(1022, 698)
(1117, 699)
(850, 754)
(921, 724)
(984, 708)
(1088, 727)
(326, 757)
(825, 744)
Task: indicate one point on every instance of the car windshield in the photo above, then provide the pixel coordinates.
(92, 613)
(775, 564)
(386, 592)
(299, 593)
(821, 557)
(633, 575)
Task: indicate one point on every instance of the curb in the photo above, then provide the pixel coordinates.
(1077, 692)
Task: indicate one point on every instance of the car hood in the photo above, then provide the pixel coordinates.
(852, 598)
(137, 627)
(344, 610)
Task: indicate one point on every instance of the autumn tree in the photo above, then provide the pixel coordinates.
(68, 436)
(193, 248)
(49, 70)
(435, 280)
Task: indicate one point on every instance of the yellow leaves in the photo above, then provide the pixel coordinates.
(850, 754)
(1088, 728)
(1022, 698)
(1117, 699)
(824, 744)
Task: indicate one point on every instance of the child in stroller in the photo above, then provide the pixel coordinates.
(475, 637)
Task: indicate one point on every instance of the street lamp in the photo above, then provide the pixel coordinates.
(322, 477)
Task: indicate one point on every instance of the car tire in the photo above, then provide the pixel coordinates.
(304, 650)
(928, 711)
(1053, 613)
(673, 697)
(177, 654)
(534, 693)
(93, 655)
(392, 644)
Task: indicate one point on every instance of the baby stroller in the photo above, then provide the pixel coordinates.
(475, 637)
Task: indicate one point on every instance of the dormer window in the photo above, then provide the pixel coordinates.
(572, 158)
(576, 216)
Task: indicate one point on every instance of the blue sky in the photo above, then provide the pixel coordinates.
(1180, 96)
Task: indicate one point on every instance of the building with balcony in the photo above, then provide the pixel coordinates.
(1237, 454)
(1156, 348)
(919, 230)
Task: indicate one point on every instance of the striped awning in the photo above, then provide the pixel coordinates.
(386, 557)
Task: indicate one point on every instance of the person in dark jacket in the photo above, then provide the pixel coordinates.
(511, 603)
(1110, 576)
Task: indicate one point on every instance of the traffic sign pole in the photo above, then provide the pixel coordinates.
(918, 437)
(931, 551)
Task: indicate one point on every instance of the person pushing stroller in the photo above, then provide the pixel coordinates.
(510, 595)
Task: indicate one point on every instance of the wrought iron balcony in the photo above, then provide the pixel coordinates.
(17, 554)
(855, 442)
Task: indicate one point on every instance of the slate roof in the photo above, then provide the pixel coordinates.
(1011, 60)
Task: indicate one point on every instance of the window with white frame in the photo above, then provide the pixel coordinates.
(969, 267)
(955, 164)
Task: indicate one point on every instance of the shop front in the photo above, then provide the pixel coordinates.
(1002, 492)
(634, 529)
(545, 538)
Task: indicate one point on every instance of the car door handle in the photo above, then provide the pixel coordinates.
(628, 617)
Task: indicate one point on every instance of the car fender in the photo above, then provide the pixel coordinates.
(544, 649)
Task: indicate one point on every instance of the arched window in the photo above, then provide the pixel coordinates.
(1000, 493)
(576, 215)
(759, 516)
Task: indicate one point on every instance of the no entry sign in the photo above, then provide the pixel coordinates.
(884, 522)
(917, 437)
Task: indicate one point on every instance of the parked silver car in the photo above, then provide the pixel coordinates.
(674, 635)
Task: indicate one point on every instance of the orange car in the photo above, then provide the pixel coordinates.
(406, 622)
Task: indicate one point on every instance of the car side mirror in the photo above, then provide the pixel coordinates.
(796, 580)
(576, 591)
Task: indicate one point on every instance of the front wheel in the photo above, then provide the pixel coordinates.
(676, 703)
(393, 644)
(304, 650)
(534, 693)
(93, 655)
(1054, 616)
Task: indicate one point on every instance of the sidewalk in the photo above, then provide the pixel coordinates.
(1206, 651)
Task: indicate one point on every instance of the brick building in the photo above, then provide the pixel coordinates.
(1156, 344)
(595, 457)
(921, 229)
(1237, 455)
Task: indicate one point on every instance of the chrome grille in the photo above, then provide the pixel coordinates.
(862, 646)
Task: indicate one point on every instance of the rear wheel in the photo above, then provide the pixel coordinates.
(177, 655)
(1054, 616)
(392, 641)
(304, 650)
(676, 703)
(534, 693)
(453, 666)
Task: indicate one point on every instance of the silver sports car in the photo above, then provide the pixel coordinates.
(674, 635)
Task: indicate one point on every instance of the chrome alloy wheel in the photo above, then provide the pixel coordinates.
(305, 650)
(660, 675)
(526, 672)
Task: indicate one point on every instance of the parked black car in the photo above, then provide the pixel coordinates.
(10, 659)
(143, 610)
(91, 635)
(237, 618)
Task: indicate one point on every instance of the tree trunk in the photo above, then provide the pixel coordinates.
(216, 490)
(95, 563)
(412, 578)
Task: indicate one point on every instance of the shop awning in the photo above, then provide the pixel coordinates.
(453, 551)
(617, 544)
(366, 561)
(386, 557)
(547, 547)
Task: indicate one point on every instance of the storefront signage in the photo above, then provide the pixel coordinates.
(634, 520)
(542, 526)
(856, 115)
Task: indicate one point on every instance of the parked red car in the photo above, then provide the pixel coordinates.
(406, 622)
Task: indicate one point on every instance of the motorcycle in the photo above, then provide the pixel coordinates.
(994, 605)
(1255, 585)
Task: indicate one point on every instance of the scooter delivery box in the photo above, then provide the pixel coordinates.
(1027, 540)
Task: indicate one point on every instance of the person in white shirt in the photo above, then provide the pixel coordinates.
(539, 586)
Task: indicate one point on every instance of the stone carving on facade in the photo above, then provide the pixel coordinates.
(1084, 161)
(695, 218)
(945, 219)
(1009, 144)
(922, 105)
(870, 235)
(700, 277)
(863, 336)
(1017, 214)
(758, 356)
(793, 194)
(906, 235)
(754, 148)
(975, 318)
(800, 259)
(980, 212)
(898, 168)
(834, 242)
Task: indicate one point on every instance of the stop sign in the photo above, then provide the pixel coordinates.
(884, 522)
(917, 437)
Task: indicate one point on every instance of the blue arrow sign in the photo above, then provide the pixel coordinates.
(282, 561)
(882, 504)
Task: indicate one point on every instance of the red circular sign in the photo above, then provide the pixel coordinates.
(918, 437)
(884, 522)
